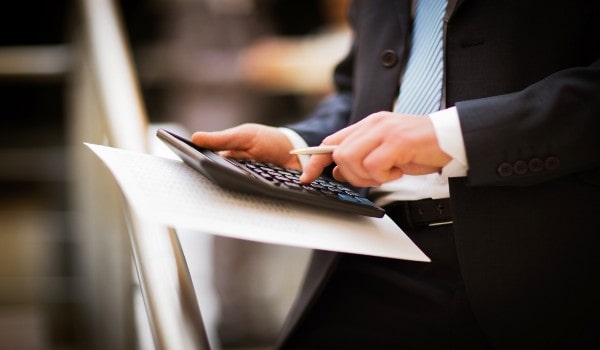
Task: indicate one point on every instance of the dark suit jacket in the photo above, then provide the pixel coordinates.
(525, 77)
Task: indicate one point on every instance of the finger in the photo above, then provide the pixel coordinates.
(393, 174)
(212, 140)
(340, 175)
(352, 152)
(314, 167)
(416, 169)
(339, 136)
(380, 164)
(229, 139)
(363, 124)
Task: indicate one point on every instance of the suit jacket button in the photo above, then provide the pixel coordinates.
(389, 58)
(520, 167)
(552, 163)
(535, 165)
(505, 169)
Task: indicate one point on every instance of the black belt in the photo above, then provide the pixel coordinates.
(420, 213)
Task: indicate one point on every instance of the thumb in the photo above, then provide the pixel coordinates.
(218, 140)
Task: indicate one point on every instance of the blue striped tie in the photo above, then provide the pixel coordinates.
(421, 87)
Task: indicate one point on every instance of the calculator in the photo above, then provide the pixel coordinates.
(251, 176)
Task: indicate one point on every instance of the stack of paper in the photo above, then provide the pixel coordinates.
(169, 192)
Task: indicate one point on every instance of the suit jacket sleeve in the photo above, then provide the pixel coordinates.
(334, 113)
(549, 129)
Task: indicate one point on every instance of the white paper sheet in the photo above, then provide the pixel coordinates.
(169, 192)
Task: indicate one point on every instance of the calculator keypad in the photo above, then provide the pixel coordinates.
(290, 179)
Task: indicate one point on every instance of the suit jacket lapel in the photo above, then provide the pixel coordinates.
(453, 6)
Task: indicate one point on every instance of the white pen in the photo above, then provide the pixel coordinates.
(323, 149)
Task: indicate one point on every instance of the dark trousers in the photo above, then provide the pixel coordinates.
(377, 303)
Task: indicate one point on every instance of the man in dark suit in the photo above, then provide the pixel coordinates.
(516, 267)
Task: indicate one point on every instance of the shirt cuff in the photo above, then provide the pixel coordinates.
(298, 142)
(449, 134)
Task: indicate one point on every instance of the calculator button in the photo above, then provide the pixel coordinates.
(348, 198)
(365, 201)
(311, 190)
(293, 185)
(329, 193)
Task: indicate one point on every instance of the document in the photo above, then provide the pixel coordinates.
(169, 192)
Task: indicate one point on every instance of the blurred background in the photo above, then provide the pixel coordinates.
(198, 64)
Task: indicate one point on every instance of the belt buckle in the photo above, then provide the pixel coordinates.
(429, 213)
(441, 223)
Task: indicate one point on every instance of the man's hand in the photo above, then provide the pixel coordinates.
(380, 148)
(250, 141)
